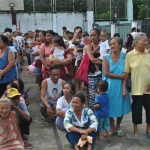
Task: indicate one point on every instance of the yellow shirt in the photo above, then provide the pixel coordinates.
(139, 66)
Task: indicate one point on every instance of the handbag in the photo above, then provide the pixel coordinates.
(83, 70)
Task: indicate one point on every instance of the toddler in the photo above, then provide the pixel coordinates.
(59, 50)
(87, 41)
(101, 109)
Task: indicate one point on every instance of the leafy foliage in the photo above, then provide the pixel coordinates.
(141, 9)
(60, 5)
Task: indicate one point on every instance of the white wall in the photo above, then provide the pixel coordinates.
(43, 21)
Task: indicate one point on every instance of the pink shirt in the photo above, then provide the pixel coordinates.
(47, 51)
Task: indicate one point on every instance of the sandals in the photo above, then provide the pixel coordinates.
(119, 133)
(148, 135)
(135, 137)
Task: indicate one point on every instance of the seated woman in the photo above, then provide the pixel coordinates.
(9, 126)
(80, 122)
(64, 103)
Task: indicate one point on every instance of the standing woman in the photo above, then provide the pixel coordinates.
(138, 64)
(45, 51)
(119, 99)
(93, 56)
(7, 64)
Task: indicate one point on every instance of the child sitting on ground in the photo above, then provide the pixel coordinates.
(101, 109)
(87, 41)
(59, 50)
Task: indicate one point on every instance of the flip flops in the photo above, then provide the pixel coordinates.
(119, 133)
(135, 137)
(148, 135)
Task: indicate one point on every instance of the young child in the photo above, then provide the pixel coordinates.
(101, 109)
(104, 45)
(87, 41)
(59, 50)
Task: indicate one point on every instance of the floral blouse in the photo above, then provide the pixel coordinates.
(87, 119)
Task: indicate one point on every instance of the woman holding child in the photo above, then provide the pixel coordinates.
(119, 100)
(94, 53)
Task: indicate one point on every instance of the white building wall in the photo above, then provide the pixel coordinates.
(43, 21)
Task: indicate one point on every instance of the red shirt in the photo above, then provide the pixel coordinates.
(69, 66)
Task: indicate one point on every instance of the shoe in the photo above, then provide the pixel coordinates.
(135, 137)
(148, 135)
(97, 73)
(120, 133)
(24, 138)
(68, 74)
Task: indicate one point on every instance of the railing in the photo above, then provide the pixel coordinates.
(104, 9)
(55, 5)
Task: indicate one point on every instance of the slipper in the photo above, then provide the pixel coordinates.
(135, 137)
(111, 133)
(119, 133)
(148, 135)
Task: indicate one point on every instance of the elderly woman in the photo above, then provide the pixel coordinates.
(80, 122)
(138, 64)
(7, 64)
(119, 100)
(9, 126)
(64, 103)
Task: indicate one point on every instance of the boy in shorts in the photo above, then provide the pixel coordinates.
(101, 109)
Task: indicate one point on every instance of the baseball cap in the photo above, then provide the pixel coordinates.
(12, 92)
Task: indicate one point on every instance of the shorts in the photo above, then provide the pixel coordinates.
(38, 71)
(103, 123)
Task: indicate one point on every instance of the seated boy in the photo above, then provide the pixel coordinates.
(22, 113)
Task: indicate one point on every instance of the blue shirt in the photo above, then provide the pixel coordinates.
(103, 110)
(11, 74)
(23, 107)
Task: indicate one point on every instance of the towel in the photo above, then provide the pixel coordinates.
(81, 143)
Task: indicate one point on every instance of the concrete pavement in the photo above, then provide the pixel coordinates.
(48, 137)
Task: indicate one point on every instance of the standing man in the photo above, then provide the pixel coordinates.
(51, 90)
(64, 30)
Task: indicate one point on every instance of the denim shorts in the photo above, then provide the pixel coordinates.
(103, 123)
(38, 71)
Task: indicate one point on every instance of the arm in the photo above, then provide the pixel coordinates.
(89, 52)
(69, 127)
(23, 112)
(60, 113)
(43, 93)
(93, 121)
(11, 62)
(64, 62)
(108, 74)
(75, 35)
(41, 52)
(96, 106)
(16, 121)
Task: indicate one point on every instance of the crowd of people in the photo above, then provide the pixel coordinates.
(65, 66)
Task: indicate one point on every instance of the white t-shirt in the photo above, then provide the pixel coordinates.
(59, 53)
(104, 46)
(35, 49)
(63, 104)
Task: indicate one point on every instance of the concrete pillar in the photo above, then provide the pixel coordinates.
(90, 20)
(134, 23)
(129, 10)
(54, 22)
(114, 29)
(90, 14)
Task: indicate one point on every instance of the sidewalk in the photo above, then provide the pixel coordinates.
(48, 137)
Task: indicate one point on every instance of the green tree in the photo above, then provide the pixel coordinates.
(141, 9)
